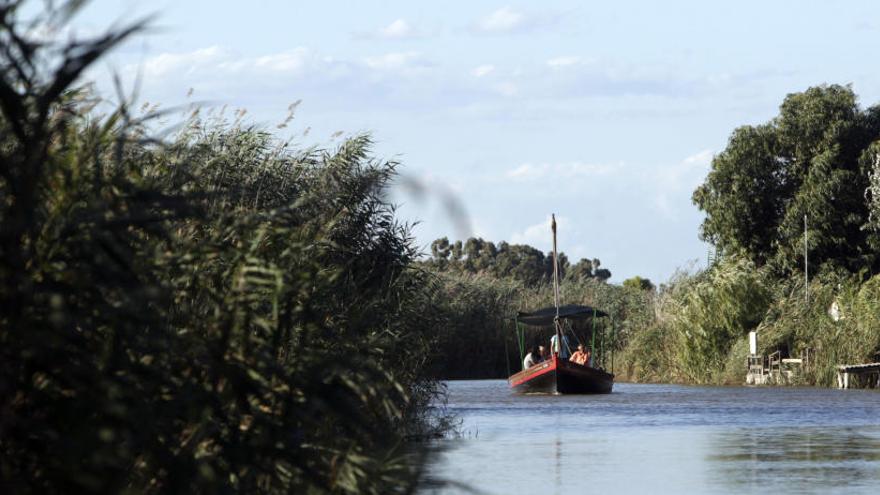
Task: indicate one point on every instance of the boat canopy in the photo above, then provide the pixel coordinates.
(545, 316)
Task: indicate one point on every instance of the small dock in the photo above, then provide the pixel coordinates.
(866, 375)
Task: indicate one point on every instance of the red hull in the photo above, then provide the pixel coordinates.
(558, 376)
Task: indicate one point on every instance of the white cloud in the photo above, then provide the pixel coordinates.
(392, 61)
(559, 62)
(483, 70)
(502, 20)
(215, 60)
(293, 60)
(540, 236)
(569, 170)
(671, 181)
(686, 174)
(166, 63)
(398, 29)
(701, 159)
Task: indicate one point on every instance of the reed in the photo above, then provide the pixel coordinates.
(214, 312)
(702, 321)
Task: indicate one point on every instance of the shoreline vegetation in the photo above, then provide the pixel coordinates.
(224, 311)
(819, 159)
(217, 311)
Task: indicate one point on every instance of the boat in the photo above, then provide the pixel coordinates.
(558, 375)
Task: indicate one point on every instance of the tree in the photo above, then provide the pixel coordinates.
(440, 251)
(581, 270)
(603, 274)
(810, 160)
(638, 283)
(744, 193)
(520, 262)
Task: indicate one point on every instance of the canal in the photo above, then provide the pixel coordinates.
(662, 439)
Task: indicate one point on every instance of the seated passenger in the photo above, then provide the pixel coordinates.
(532, 358)
(579, 356)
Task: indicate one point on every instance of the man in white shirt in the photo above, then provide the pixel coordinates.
(531, 359)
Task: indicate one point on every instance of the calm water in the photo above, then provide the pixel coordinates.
(664, 439)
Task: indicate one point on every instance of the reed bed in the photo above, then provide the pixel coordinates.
(217, 311)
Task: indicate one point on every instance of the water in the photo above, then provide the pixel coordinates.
(663, 439)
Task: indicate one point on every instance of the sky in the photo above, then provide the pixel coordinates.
(604, 113)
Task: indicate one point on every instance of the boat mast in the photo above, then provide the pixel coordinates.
(556, 287)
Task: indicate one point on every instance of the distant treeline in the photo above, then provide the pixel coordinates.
(519, 262)
(483, 285)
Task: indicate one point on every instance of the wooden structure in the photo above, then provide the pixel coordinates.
(773, 368)
(867, 374)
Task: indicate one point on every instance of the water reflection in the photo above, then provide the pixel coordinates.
(664, 439)
(558, 465)
(796, 459)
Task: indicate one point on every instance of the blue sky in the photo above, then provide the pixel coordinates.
(605, 113)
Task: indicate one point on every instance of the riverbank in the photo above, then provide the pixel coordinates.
(700, 331)
(692, 330)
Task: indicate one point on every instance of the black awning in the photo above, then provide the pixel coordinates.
(545, 316)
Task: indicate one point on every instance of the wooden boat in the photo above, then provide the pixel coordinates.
(561, 376)
(558, 375)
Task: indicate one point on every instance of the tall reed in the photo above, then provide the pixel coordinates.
(217, 312)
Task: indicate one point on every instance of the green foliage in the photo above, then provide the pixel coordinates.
(214, 314)
(699, 335)
(700, 318)
(478, 337)
(715, 309)
(795, 325)
(638, 283)
(818, 157)
(519, 262)
(810, 160)
(484, 285)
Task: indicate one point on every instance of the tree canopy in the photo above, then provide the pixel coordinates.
(815, 159)
(520, 262)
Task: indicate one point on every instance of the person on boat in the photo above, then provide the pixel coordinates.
(532, 358)
(544, 353)
(579, 356)
(555, 348)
